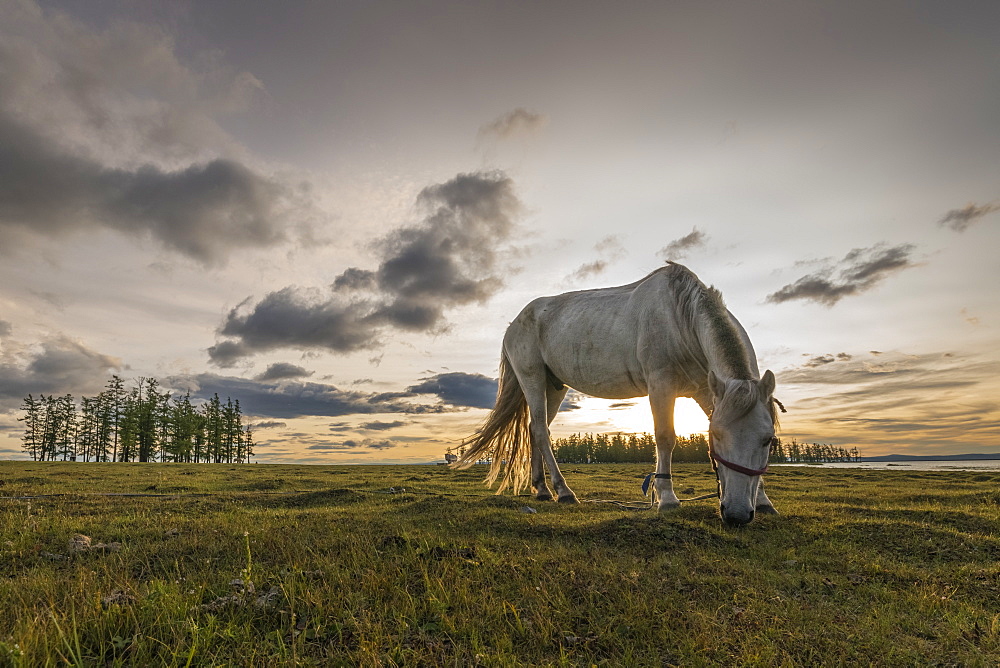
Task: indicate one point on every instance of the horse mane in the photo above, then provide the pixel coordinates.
(700, 304)
(741, 397)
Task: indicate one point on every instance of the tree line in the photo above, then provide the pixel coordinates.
(641, 448)
(140, 424)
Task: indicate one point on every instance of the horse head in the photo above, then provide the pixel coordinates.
(741, 433)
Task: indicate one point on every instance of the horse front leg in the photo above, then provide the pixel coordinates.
(661, 403)
(763, 505)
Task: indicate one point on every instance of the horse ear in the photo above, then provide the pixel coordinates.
(716, 384)
(766, 385)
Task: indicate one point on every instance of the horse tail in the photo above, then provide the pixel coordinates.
(504, 436)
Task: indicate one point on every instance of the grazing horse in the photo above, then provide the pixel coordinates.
(665, 336)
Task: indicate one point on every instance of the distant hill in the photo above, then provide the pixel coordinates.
(931, 458)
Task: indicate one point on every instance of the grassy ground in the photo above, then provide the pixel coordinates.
(871, 567)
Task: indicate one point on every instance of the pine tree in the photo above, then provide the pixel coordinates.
(34, 426)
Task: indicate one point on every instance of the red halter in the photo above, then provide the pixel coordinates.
(736, 467)
(728, 464)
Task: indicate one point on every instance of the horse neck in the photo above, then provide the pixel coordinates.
(724, 350)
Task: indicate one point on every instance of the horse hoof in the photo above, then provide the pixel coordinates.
(569, 498)
(543, 497)
(667, 507)
(766, 510)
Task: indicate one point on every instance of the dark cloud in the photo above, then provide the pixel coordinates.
(355, 279)
(285, 400)
(226, 354)
(961, 219)
(449, 259)
(517, 121)
(108, 129)
(382, 426)
(820, 360)
(204, 211)
(295, 318)
(678, 248)
(459, 389)
(283, 370)
(61, 366)
(5, 328)
(859, 271)
(365, 444)
(270, 424)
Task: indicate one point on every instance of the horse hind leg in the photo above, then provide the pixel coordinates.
(553, 399)
(543, 402)
(538, 486)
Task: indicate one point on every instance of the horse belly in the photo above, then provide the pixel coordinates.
(601, 366)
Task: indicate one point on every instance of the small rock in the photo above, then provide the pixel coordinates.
(528, 510)
(79, 543)
(171, 533)
(270, 599)
(241, 586)
(117, 597)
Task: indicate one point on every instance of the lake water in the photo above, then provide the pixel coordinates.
(974, 465)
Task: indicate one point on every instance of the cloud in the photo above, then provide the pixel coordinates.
(860, 270)
(820, 360)
(5, 328)
(108, 130)
(118, 93)
(588, 270)
(291, 399)
(459, 389)
(878, 371)
(381, 426)
(678, 248)
(204, 211)
(283, 370)
(269, 424)
(365, 444)
(961, 219)
(890, 400)
(517, 121)
(450, 258)
(59, 366)
(610, 249)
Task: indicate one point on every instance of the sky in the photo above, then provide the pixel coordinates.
(330, 211)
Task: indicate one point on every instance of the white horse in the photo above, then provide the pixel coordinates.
(665, 336)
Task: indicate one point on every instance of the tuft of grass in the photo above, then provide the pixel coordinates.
(312, 565)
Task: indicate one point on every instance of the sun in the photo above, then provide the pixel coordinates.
(688, 418)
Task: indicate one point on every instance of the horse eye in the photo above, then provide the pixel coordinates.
(769, 442)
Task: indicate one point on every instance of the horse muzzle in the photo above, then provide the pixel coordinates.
(736, 518)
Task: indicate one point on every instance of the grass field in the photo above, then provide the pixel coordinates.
(266, 565)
